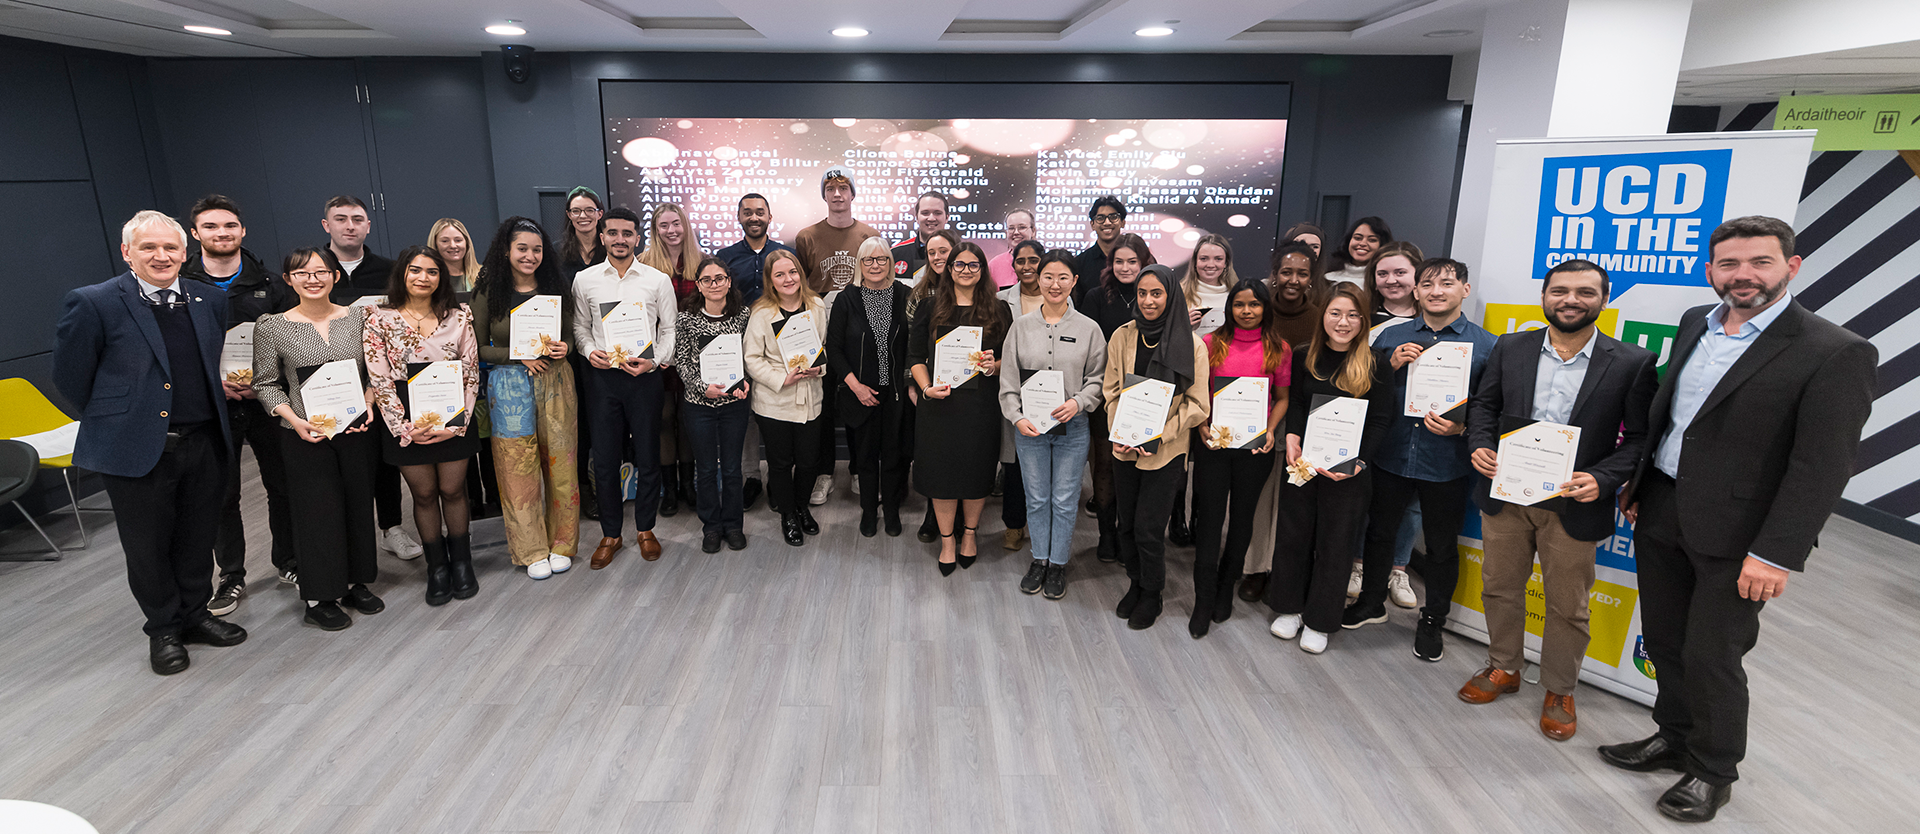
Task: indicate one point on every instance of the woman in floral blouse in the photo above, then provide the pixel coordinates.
(421, 336)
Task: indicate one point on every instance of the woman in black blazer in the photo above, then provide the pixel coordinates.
(866, 349)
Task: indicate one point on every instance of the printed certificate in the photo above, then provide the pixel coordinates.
(1334, 429)
(436, 395)
(626, 331)
(1140, 417)
(1437, 380)
(722, 363)
(236, 355)
(333, 395)
(957, 356)
(1040, 394)
(800, 342)
(1535, 460)
(533, 325)
(1239, 416)
(1210, 319)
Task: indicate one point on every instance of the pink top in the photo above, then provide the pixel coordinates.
(391, 344)
(1001, 267)
(1246, 356)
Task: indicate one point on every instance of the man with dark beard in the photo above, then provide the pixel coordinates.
(1572, 374)
(746, 257)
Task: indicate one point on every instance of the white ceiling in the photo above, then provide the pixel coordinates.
(1854, 57)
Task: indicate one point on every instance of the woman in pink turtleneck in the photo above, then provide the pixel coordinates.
(1229, 470)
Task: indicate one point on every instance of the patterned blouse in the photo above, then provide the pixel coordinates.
(691, 331)
(391, 344)
(281, 346)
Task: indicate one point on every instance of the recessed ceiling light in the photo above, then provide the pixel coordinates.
(207, 30)
(1449, 33)
(1153, 32)
(850, 32)
(507, 28)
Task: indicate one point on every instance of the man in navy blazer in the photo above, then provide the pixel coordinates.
(139, 356)
(1571, 374)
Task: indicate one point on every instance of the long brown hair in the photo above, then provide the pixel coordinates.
(988, 311)
(1190, 278)
(770, 298)
(1355, 374)
(1138, 246)
(1277, 353)
(655, 255)
(924, 289)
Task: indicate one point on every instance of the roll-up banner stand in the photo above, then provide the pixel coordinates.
(1641, 207)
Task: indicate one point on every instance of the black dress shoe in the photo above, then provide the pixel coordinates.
(328, 616)
(750, 493)
(1644, 756)
(710, 542)
(213, 632)
(362, 600)
(166, 654)
(892, 517)
(1693, 800)
(790, 529)
(870, 523)
(1254, 587)
(807, 524)
(735, 539)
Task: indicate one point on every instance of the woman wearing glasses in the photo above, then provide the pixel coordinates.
(715, 413)
(866, 346)
(581, 247)
(957, 425)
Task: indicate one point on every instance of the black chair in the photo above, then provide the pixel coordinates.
(18, 464)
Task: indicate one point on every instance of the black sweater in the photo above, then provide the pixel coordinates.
(1380, 399)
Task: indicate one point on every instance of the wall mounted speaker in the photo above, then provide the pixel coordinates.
(519, 62)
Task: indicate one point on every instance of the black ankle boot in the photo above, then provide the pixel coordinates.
(1177, 533)
(439, 579)
(1109, 549)
(1146, 611)
(669, 490)
(1127, 603)
(460, 566)
(807, 524)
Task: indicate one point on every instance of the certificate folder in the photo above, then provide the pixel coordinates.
(1242, 440)
(1130, 380)
(1026, 374)
(302, 374)
(780, 326)
(1352, 462)
(406, 397)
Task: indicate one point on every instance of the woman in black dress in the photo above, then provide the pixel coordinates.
(420, 323)
(957, 428)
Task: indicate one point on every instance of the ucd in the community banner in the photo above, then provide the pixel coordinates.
(1641, 207)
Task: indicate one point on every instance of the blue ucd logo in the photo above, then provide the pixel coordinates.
(1644, 217)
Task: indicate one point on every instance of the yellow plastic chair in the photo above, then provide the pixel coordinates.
(24, 411)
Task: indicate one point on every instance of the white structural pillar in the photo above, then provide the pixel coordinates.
(1563, 68)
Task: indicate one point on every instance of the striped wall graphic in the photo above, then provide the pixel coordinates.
(1859, 237)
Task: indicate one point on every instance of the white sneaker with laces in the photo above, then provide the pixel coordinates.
(822, 487)
(1355, 581)
(395, 540)
(1401, 590)
(1312, 642)
(558, 563)
(539, 570)
(1286, 626)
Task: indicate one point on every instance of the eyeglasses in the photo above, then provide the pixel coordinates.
(312, 276)
(1108, 219)
(876, 261)
(583, 212)
(964, 266)
(712, 280)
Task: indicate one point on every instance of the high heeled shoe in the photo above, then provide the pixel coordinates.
(966, 560)
(947, 568)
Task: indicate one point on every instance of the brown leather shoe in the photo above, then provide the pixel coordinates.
(603, 555)
(1488, 684)
(1556, 717)
(649, 546)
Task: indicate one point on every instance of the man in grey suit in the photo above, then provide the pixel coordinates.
(1571, 374)
(1754, 431)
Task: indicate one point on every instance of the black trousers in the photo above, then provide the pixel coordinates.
(1697, 628)
(620, 405)
(1443, 508)
(386, 482)
(251, 424)
(793, 459)
(167, 520)
(879, 461)
(1226, 490)
(334, 528)
(1144, 500)
(1321, 525)
(714, 437)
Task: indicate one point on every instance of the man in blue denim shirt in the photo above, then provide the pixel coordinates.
(1424, 457)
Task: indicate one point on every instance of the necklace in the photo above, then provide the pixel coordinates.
(1150, 345)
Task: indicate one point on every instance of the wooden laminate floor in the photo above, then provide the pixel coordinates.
(846, 687)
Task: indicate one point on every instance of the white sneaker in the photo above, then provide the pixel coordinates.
(1312, 642)
(822, 487)
(395, 540)
(558, 563)
(1355, 581)
(540, 570)
(1400, 589)
(1286, 626)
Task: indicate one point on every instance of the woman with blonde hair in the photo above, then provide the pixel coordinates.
(673, 247)
(866, 353)
(787, 392)
(449, 239)
(1208, 278)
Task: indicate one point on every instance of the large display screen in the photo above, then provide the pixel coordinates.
(1180, 178)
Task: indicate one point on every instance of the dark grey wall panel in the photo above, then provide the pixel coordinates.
(39, 128)
(53, 243)
(116, 145)
(312, 143)
(435, 157)
(206, 121)
(536, 135)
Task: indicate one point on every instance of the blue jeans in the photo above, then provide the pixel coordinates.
(1050, 467)
(716, 434)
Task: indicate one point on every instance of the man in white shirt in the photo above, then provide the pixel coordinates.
(623, 399)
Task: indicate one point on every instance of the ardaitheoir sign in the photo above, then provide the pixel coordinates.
(1854, 123)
